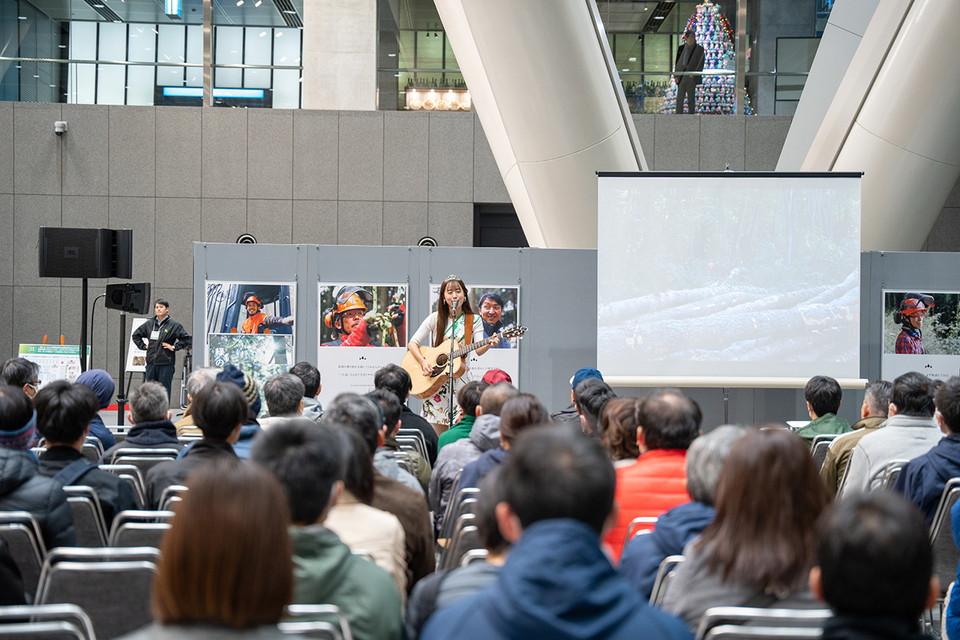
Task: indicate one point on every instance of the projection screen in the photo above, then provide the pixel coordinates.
(728, 279)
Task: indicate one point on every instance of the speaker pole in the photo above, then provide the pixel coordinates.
(122, 395)
(83, 326)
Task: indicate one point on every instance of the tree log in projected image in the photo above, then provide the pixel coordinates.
(729, 323)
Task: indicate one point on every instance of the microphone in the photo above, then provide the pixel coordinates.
(456, 303)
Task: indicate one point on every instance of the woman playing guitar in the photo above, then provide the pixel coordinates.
(453, 296)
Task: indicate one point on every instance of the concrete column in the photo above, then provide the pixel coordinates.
(340, 55)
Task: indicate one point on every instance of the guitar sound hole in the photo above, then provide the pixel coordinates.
(442, 359)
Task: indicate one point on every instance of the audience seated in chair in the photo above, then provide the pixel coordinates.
(484, 436)
(149, 417)
(307, 460)
(874, 568)
(590, 397)
(823, 395)
(387, 460)
(619, 420)
(226, 568)
(22, 488)
(519, 413)
(910, 431)
(196, 381)
(669, 421)
(250, 428)
(396, 380)
(759, 548)
(446, 587)
(284, 395)
(102, 385)
(64, 412)
(468, 397)
(310, 377)
(363, 416)
(219, 410)
(873, 414)
(556, 491)
(922, 479)
(643, 554)
(570, 413)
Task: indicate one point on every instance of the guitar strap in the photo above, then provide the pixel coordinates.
(467, 322)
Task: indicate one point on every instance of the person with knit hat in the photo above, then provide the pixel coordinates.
(251, 393)
(102, 385)
(219, 410)
(22, 488)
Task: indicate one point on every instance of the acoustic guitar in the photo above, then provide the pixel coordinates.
(439, 357)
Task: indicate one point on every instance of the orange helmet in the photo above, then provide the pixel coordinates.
(348, 299)
(912, 307)
(252, 298)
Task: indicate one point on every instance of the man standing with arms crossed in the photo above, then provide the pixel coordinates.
(164, 337)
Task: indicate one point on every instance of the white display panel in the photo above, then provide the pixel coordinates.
(726, 279)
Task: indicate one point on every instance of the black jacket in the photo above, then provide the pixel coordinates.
(22, 488)
(114, 493)
(176, 471)
(147, 435)
(171, 332)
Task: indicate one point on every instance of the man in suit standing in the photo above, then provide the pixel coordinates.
(689, 58)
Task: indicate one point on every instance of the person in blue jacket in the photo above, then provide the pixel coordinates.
(557, 491)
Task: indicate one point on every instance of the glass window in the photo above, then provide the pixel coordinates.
(228, 50)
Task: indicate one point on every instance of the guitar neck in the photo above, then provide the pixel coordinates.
(462, 351)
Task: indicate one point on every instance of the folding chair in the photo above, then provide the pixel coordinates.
(22, 534)
(111, 585)
(462, 502)
(474, 555)
(946, 555)
(171, 495)
(793, 619)
(640, 525)
(88, 519)
(465, 537)
(886, 476)
(139, 528)
(56, 630)
(92, 451)
(46, 613)
(821, 444)
(739, 632)
(143, 452)
(664, 574)
(304, 612)
(132, 475)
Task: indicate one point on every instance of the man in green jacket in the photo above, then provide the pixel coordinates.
(307, 459)
(823, 395)
(469, 400)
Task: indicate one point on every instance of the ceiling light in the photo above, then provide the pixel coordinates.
(631, 59)
(289, 11)
(262, 33)
(658, 17)
(625, 70)
(239, 3)
(21, 17)
(258, 3)
(391, 55)
(278, 34)
(98, 6)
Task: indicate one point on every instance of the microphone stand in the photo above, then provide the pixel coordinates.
(453, 339)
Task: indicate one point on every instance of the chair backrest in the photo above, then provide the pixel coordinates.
(474, 555)
(37, 613)
(415, 443)
(886, 476)
(465, 537)
(170, 495)
(115, 594)
(946, 555)
(821, 444)
(88, 519)
(331, 612)
(22, 534)
(91, 451)
(464, 501)
(53, 630)
(740, 632)
(664, 573)
(311, 629)
(138, 534)
(145, 452)
(138, 516)
(643, 523)
(762, 617)
(131, 474)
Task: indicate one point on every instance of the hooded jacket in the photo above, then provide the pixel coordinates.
(325, 570)
(103, 386)
(922, 479)
(556, 584)
(22, 488)
(457, 432)
(484, 436)
(642, 555)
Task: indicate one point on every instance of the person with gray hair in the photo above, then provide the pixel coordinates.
(150, 416)
(196, 382)
(284, 395)
(643, 554)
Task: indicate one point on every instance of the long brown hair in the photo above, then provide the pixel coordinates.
(227, 559)
(443, 311)
(619, 420)
(769, 497)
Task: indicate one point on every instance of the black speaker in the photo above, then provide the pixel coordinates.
(132, 297)
(85, 253)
